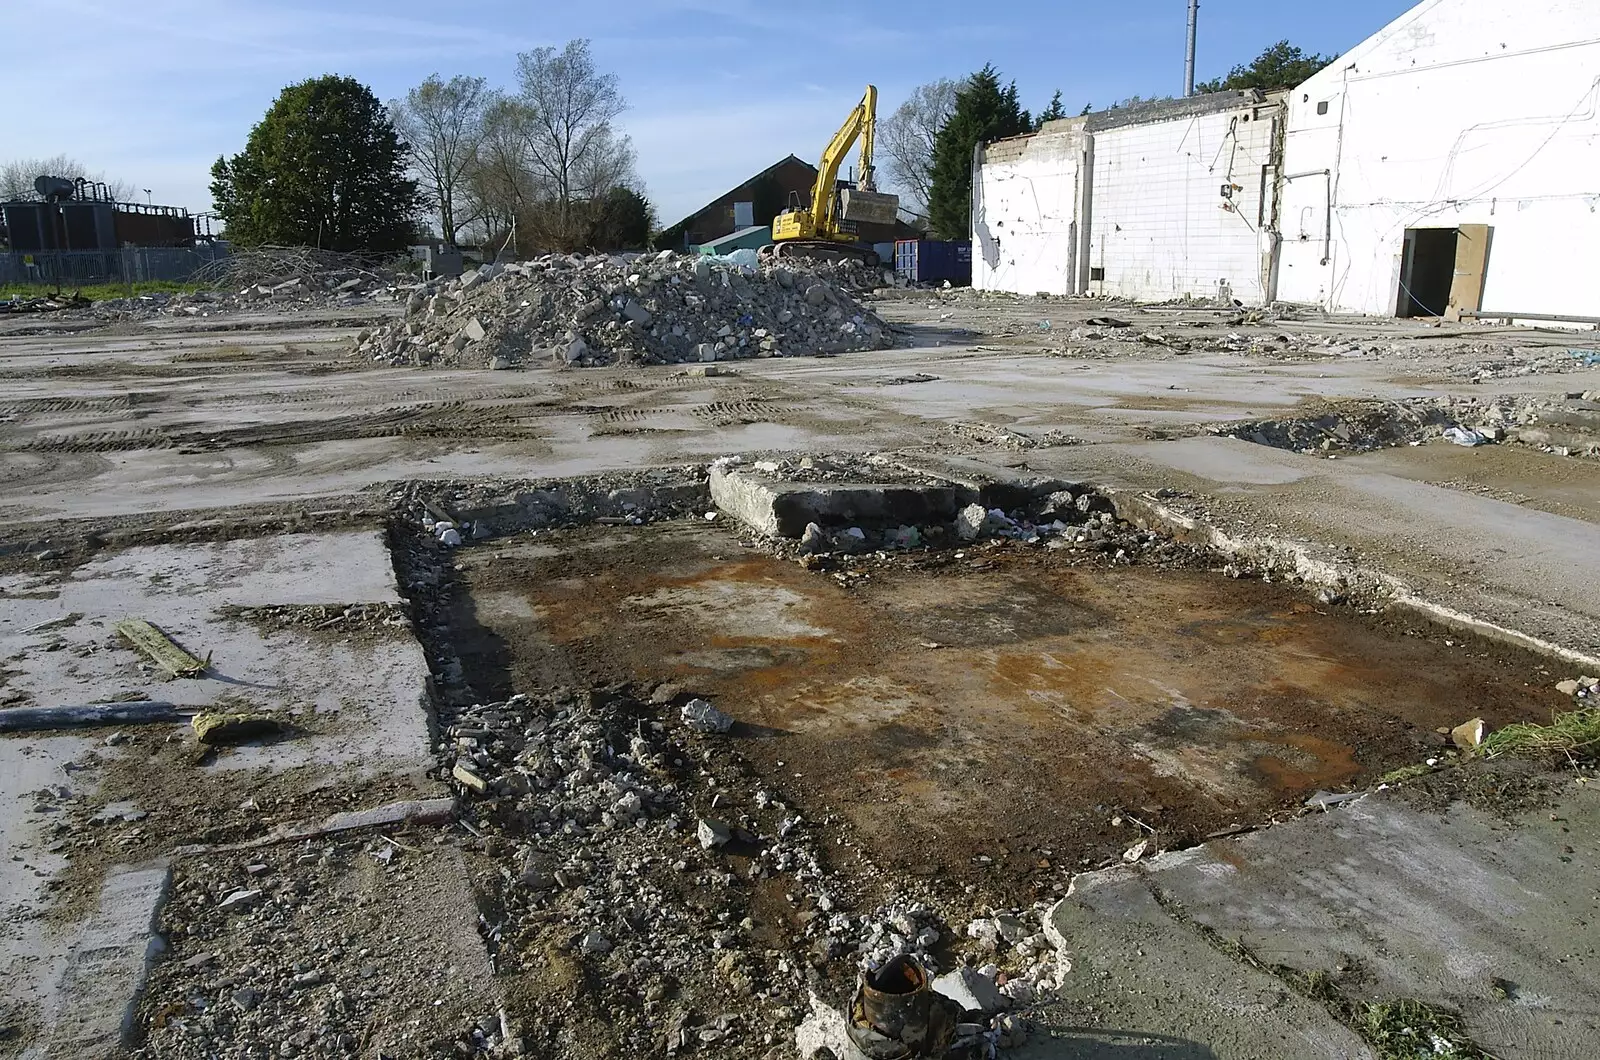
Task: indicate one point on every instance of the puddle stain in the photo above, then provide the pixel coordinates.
(1173, 687)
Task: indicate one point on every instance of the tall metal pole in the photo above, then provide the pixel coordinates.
(1188, 62)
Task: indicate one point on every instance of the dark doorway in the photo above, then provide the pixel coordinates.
(1427, 269)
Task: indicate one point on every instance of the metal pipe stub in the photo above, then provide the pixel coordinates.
(896, 1015)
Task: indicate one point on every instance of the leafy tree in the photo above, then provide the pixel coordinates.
(1053, 112)
(621, 220)
(983, 112)
(324, 167)
(906, 139)
(1281, 66)
(442, 122)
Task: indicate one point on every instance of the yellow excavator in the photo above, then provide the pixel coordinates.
(827, 229)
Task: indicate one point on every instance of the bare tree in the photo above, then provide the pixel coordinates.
(569, 106)
(17, 177)
(500, 184)
(907, 136)
(442, 124)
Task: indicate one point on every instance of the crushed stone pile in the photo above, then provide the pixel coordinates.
(661, 308)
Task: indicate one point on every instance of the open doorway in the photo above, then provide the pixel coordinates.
(1427, 269)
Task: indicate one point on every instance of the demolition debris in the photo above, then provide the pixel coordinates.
(659, 309)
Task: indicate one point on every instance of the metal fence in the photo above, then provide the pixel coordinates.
(73, 268)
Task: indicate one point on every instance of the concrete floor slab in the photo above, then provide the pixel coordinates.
(1487, 916)
(359, 698)
(1493, 917)
(1134, 966)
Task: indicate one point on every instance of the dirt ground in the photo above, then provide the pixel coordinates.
(987, 718)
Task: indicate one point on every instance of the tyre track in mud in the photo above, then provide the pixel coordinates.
(443, 419)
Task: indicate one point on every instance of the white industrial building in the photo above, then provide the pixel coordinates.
(1156, 201)
(1450, 164)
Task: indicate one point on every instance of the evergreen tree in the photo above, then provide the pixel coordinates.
(325, 168)
(983, 112)
(1281, 66)
(1054, 111)
(622, 220)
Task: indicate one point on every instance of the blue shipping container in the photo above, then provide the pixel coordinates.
(934, 261)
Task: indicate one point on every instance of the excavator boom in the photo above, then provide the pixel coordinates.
(830, 208)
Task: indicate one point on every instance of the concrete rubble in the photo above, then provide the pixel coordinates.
(1565, 426)
(659, 308)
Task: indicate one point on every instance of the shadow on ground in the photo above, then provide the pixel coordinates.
(1082, 1043)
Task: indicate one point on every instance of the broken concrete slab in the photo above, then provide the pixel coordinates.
(105, 966)
(1459, 910)
(360, 700)
(783, 509)
(1135, 966)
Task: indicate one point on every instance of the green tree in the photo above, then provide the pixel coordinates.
(325, 168)
(1281, 66)
(1053, 112)
(620, 220)
(983, 112)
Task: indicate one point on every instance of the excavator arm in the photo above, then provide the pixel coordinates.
(862, 123)
(825, 221)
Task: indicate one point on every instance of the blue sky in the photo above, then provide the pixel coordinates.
(152, 92)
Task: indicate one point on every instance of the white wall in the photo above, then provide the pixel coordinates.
(1459, 112)
(1159, 227)
(1023, 206)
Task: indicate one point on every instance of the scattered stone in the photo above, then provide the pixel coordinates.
(701, 716)
(240, 900)
(971, 990)
(713, 833)
(468, 779)
(970, 522)
(1469, 734)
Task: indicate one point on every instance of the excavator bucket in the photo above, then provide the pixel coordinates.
(869, 207)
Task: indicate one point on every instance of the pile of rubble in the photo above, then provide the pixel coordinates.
(629, 842)
(1566, 426)
(621, 848)
(660, 308)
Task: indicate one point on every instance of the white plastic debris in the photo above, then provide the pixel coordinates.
(1463, 436)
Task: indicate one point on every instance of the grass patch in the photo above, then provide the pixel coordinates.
(1405, 773)
(99, 292)
(1573, 735)
(1409, 1029)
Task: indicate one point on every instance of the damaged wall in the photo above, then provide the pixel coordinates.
(1459, 112)
(1166, 200)
(1180, 204)
(1025, 202)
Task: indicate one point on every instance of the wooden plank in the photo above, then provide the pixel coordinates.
(1472, 263)
(159, 647)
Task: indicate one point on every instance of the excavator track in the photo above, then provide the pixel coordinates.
(825, 250)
